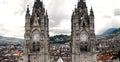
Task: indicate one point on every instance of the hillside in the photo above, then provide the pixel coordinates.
(110, 33)
(7, 40)
(61, 39)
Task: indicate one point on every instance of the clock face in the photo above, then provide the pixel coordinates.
(36, 37)
(83, 37)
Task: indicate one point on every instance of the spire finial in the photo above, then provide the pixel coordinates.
(28, 9)
(27, 6)
(91, 11)
(75, 6)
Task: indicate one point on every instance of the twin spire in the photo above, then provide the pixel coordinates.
(79, 4)
(37, 4)
(91, 12)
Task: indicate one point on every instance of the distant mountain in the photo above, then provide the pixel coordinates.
(117, 31)
(109, 31)
(61, 39)
(7, 40)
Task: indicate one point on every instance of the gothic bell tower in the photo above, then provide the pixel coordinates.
(83, 36)
(36, 34)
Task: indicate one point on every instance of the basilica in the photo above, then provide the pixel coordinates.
(36, 37)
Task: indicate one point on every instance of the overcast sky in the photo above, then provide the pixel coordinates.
(12, 15)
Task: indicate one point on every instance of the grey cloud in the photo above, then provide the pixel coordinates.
(2, 34)
(22, 28)
(1, 25)
(116, 12)
(3, 2)
(4, 30)
(22, 7)
(60, 31)
(113, 24)
(107, 16)
(53, 23)
(57, 12)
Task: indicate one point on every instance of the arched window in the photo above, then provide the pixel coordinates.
(81, 48)
(38, 46)
(33, 46)
(84, 48)
(84, 24)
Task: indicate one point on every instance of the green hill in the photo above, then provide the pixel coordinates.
(61, 39)
(116, 31)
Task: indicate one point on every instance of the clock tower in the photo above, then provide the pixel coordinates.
(83, 36)
(36, 34)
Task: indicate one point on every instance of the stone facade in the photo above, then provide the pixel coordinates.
(83, 36)
(36, 35)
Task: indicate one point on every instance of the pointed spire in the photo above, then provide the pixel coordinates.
(75, 6)
(82, 4)
(91, 9)
(27, 9)
(38, 3)
(91, 12)
(81, 0)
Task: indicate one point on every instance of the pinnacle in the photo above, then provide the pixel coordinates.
(28, 9)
